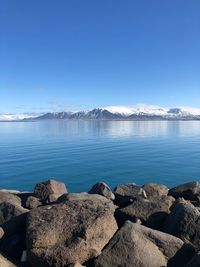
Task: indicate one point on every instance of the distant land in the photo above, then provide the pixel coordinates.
(112, 113)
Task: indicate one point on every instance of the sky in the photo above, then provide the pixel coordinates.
(78, 54)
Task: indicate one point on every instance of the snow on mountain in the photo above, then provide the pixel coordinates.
(114, 113)
(138, 110)
(16, 117)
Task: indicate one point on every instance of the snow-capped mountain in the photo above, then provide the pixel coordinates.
(138, 112)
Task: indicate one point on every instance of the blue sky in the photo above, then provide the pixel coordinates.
(70, 54)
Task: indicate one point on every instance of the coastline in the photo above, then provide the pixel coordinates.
(101, 228)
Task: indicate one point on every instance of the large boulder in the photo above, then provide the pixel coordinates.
(189, 191)
(49, 191)
(71, 231)
(103, 190)
(184, 222)
(194, 262)
(151, 212)
(155, 190)
(138, 246)
(8, 210)
(127, 193)
(6, 196)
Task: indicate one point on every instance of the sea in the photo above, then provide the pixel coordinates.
(81, 153)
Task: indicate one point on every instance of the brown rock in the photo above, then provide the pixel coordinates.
(184, 222)
(155, 190)
(8, 210)
(138, 246)
(44, 190)
(189, 191)
(69, 232)
(152, 212)
(103, 190)
(127, 193)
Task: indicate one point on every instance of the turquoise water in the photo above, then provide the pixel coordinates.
(81, 153)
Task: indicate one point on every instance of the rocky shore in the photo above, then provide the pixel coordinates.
(133, 226)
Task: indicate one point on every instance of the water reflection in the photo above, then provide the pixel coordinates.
(121, 129)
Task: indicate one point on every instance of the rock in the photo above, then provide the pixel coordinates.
(85, 196)
(184, 222)
(11, 198)
(139, 246)
(9, 210)
(32, 202)
(155, 190)
(24, 197)
(5, 262)
(194, 262)
(71, 231)
(76, 265)
(152, 212)
(127, 193)
(12, 242)
(189, 191)
(103, 190)
(1, 232)
(44, 190)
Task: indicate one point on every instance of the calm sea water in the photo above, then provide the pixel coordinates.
(81, 153)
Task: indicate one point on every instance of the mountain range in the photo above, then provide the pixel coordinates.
(113, 113)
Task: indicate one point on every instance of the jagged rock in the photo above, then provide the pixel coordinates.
(194, 262)
(8, 197)
(184, 222)
(44, 190)
(5, 262)
(103, 190)
(12, 242)
(139, 246)
(151, 212)
(127, 193)
(69, 232)
(155, 190)
(189, 191)
(8, 210)
(32, 202)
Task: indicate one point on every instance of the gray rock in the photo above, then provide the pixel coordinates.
(194, 262)
(32, 202)
(189, 191)
(138, 246)
(152, 212)
(44, 190)
(11, 198)
(69, 232)
(103, 190)
(127, 193)
(184, 222)
(155, 190)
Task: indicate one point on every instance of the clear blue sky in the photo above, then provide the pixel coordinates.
(63, 54)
